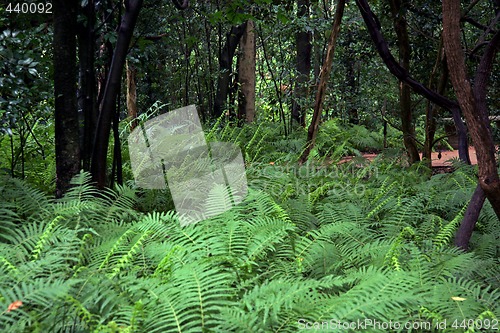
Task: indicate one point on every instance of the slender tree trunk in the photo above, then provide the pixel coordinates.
(209, 78)
(65, 76)
(277, 87)
(324, 76)
(350, 88)
(246, 74)
(131, 95)
(431, 109)
(226, 65)
(400, 26)
(303, 66)
(117, 170)
(101, 143)
(473, 101)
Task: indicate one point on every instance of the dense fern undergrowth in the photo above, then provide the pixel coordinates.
(351, 248)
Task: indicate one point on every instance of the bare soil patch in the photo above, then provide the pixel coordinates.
(441, 162)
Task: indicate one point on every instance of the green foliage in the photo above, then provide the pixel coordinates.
(336, 140)
(345, 243)
(26, 101)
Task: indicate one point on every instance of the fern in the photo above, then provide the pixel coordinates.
(308, 244)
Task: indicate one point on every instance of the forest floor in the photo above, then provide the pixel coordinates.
(443, 162)
(447, 155)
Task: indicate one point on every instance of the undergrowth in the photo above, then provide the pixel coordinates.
(310, 247)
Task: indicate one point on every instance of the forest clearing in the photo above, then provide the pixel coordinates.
(249, 166)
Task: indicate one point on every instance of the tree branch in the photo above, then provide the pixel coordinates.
(484, 69)
(179, 5)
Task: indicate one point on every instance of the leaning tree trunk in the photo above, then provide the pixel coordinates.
(323, 81)
(246, 74)
(400, 26)
(66, 113)
(473, 100)
(101, 143)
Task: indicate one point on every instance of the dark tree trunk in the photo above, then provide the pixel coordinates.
(403, 41)
(303, 66)
(323, 81)
(209, 79)
(225, 67)
(473, 100)
(101, 143)
(383, 49)
(65, 77)
(471, 215)
(351, 85)
(86, 47)
(432, 110)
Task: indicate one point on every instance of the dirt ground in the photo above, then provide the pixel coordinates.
(447, 155)
(444, 161)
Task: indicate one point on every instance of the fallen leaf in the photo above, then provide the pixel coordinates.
(14, 305)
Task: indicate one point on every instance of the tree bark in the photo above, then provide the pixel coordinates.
(303, 66)
(473, 101)
(464, 232)
(86, 48)
(101, 142)
(246, 74)
(403, 41)
(324, 76)
(225, 65)
(65, 75)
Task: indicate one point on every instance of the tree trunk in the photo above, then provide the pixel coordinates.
(473, 101)
(86, 48)
(66, 113)
(246, 74)
(303, 66)
(101, 143)
(324, 76)
(350, 87)
(403, 41)
(226, 65)
(432, 110)
(464, 232)
(131, 95)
